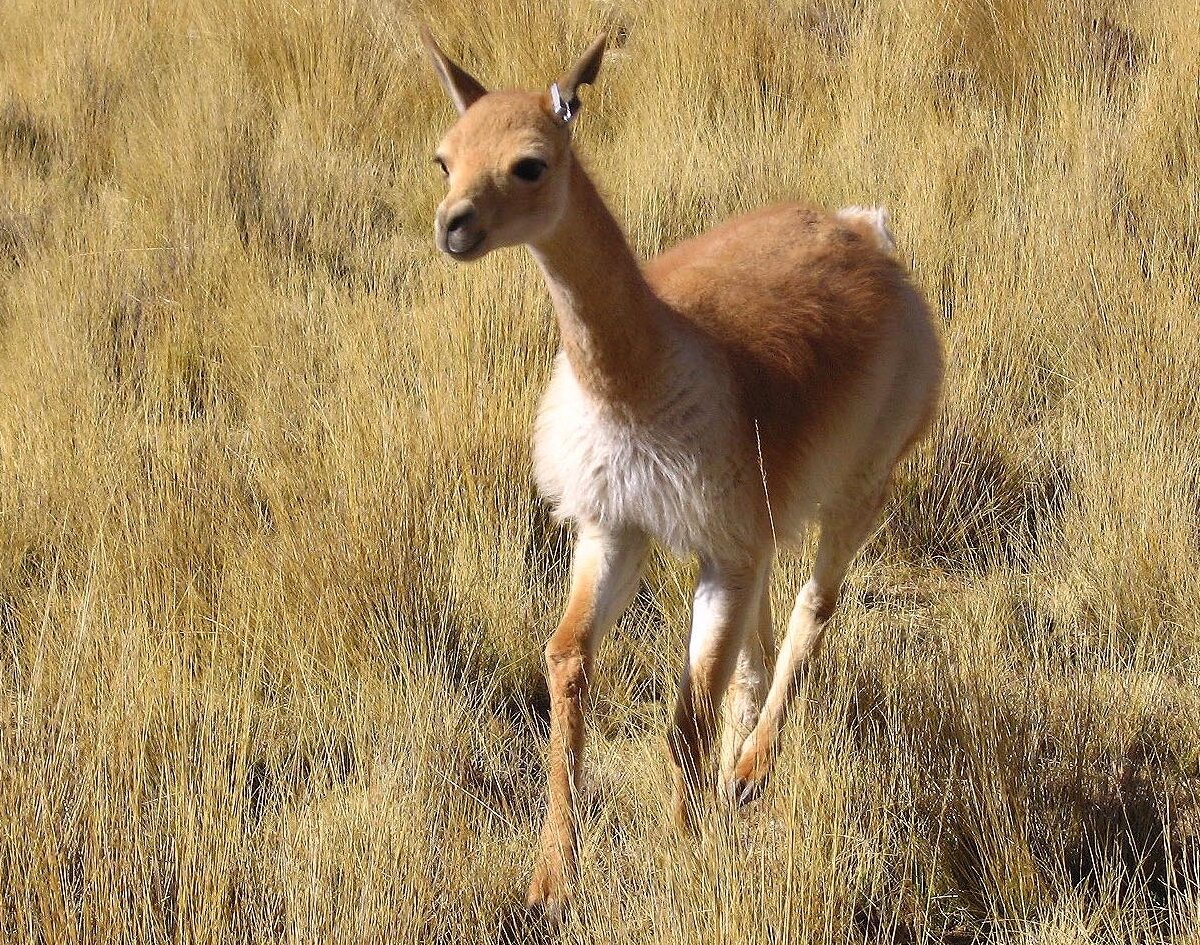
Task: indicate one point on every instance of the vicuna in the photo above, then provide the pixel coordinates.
(765, 375)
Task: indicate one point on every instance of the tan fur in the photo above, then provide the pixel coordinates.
(764, 375)
(812, 303)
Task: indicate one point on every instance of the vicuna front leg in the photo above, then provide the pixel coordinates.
(845, 524)
(727, 601)
(749, 685)
(604, 578)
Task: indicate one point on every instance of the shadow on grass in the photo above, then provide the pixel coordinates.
(1008, 800)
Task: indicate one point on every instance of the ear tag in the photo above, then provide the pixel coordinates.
(560, 107)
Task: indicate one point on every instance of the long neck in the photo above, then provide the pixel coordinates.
(608, 317)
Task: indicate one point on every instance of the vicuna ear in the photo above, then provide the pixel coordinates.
(462, 87)
(564, 94)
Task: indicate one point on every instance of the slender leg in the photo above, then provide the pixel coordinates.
(748, 687)
(845, 525)
(727, 599)
(603, 581)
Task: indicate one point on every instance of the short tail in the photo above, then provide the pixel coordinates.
(873, 220)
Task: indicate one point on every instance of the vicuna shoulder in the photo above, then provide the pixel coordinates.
(790, 289)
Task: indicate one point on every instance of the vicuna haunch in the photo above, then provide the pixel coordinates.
(764, 375)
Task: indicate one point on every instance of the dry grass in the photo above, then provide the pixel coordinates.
(274, 580)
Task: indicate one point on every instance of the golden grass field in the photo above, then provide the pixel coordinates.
(274, 580)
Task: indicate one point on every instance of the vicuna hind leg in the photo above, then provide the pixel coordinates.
(845, 524)
(727, 600)
(748, 687)
(603, 580)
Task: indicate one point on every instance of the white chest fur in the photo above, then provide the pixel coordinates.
(678, 473)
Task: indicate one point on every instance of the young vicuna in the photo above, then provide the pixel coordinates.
(764, 375)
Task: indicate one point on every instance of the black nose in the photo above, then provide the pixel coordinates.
(460, 221)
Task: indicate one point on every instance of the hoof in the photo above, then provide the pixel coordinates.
(740, 793)
(750, 778)
(547, 898)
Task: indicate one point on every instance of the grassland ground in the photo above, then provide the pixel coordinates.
(274, 581)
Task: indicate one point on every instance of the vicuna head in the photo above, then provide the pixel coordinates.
(507, 159)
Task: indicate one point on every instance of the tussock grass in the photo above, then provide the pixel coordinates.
(274, 580)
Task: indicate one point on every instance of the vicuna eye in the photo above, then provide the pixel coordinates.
(529, 169)
(442, 164)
